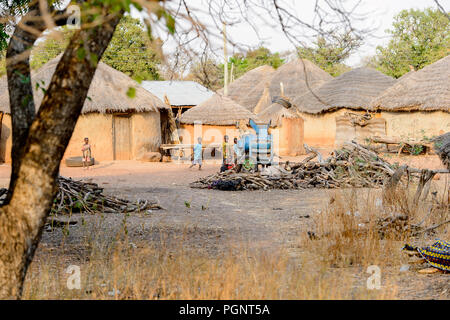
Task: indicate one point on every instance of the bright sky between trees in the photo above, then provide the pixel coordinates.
(378, 15)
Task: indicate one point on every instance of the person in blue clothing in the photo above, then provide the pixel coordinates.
(197, 154)
(236, 151)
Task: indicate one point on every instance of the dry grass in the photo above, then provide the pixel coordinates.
(347, 232)
(146, 273)
(331, 267)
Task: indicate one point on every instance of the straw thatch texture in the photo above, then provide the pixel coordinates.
(248, 89)
(275, 113)
(354, 90)
(293, 77)
(406, 75)
(264, 101)
(217, 110)
(426, 90)
(107, 92)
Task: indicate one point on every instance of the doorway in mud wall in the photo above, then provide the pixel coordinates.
(122, 136)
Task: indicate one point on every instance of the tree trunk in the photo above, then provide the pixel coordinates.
(19, 86)
(20, 89)
(22, 220)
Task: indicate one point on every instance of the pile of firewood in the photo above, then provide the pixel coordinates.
(77, 196)
(351, 166)
(399, 145)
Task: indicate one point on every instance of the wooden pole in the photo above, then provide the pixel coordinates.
(232, 73)
(225, 65)
(172, 125)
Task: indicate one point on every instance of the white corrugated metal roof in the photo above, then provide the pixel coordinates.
(180, 93)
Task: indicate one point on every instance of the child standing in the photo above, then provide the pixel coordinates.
(197, 154)
(86, 149)
(236, 151)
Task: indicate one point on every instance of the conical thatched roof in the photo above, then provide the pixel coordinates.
(217, 110)
(406, 75)
(264, 101)
(427, 89)
(275, 112)
(247, 89)
(107, 92)
(293, 77)
(354, 89)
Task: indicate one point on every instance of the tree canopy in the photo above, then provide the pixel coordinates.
(130, 50)
(331, 54)
(211, 74)
(419, 38)
(251, 60)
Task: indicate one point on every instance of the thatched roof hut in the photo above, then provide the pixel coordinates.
(354, 90)
(293, 76)
(247, 89)
(425, 90)
(217, 110)
(107, 92)
(118, 127)
(264, 101)
(275, 113)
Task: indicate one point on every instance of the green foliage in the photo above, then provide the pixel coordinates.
(251, 60)
(3, 37)
(419, 38)
(416, 149)
(330, 54)
(131, 92)
(51, 47)
(130, 50)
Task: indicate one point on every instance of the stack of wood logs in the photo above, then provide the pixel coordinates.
(77, 196)
(398, 145)
(351, 166)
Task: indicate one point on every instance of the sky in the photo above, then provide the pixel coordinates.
(380, 18)
(378, 15)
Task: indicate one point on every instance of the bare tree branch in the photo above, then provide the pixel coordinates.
(441, 8)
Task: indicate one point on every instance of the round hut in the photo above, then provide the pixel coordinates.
(118, 127)
(418, 105)
(248, 89)
(287, 127)
(335, 111)
(292, 78)
(213, 119)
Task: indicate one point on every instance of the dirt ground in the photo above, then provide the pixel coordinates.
(212, 219)
(261, 218)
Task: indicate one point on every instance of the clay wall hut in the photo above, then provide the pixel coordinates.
(119, 127)
(418, 105)
(287, 127)
(218, 117)
(248, 89)
(333, 113)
